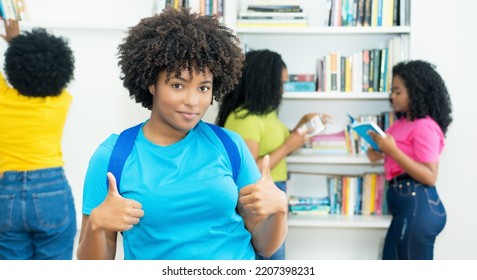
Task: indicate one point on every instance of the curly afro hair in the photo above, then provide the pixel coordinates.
(173, 41)
(427, 92)
(260, 89)
(39, 64)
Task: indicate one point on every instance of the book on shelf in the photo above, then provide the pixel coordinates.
(272, 22)
(362, 129)
(383, 71)
(308, 200)
(360, 13)
(301, 77)
(376, 69)
(299, 86)
(271, 15)
(367, 12)
(320, 79)
(342, 74)
(335, 70)
(322, 210)
(275, 8)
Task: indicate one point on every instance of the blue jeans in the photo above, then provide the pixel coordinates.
(280, 253)
(418, 217)
(37, 215)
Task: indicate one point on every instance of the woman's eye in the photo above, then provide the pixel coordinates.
(176, 86)
(204, 88)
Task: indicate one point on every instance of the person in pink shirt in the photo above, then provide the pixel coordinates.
(411, 151)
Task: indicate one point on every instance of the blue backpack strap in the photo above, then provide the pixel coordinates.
(121, 151)
(125, 143)
(230, 147)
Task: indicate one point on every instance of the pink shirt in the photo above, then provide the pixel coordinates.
(421, 139)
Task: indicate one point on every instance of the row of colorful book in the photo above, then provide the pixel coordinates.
(347, 195)
(358, 195)
(369, 70)
(368, 12)
(202, 7)
(366, 71)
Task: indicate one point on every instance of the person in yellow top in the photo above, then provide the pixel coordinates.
(252, 111)
(37, 213)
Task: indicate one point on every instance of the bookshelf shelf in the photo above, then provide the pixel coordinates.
(328, 159)
(73, 26)
(317, 95)
(346, 30)
(339, 221)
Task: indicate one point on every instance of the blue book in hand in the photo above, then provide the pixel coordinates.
(362, 129)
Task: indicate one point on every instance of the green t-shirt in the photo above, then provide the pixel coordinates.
(267, 130)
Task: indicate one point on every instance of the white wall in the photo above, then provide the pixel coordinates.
(441, 33)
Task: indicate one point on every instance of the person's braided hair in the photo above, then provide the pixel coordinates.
(173, 41)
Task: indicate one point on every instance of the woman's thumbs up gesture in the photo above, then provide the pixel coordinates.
(263, 198)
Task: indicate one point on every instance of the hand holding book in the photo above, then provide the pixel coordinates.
(363, 128)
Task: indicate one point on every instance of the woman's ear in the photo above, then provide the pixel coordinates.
(152, 89)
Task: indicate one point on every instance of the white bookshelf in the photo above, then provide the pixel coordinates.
(300, 47)
(339, 221)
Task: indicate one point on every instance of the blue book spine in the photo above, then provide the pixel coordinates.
(299, 86)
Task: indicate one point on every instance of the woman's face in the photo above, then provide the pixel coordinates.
(399, 95)
(182, 101)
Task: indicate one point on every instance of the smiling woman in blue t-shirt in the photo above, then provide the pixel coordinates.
(178, 197)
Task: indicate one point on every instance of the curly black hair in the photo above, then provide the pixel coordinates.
(260, 89)
(39, 64)
(428, 95)
(175, 40)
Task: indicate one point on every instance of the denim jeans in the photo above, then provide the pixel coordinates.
(418, 217)
(280, 253)
(37, 215)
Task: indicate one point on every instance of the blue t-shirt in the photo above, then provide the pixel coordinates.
(187, 193)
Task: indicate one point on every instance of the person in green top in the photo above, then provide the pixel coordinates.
(251, 110)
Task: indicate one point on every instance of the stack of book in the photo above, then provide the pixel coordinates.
(271, 14)
(309, 205)
(300, 83)
(326, 143)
